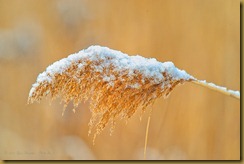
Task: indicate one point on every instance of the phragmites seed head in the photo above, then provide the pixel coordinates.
(117, 84)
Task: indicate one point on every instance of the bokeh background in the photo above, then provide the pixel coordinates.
(199, 36)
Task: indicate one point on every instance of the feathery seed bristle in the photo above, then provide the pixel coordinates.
(117, 84)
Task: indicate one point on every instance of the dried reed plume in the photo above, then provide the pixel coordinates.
(117, 84)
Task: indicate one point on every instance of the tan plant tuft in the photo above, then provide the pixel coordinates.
(117, 84)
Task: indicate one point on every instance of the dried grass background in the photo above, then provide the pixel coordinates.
(201, 37)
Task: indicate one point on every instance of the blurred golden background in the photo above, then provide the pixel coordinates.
(199, 36)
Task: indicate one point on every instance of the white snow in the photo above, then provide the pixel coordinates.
(149, 68)
(102, 58)
(216, 86)
(236, 93)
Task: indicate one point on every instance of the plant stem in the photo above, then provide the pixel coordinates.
(146, 138)
(223, 90)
